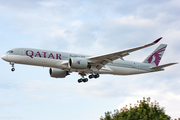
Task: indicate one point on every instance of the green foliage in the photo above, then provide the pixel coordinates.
(143, 110)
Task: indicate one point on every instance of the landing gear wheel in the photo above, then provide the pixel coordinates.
(90, 76)
(80, 80)
(95, 76)
(85, 80)
(13, 69)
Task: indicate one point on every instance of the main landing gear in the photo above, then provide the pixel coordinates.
(12, 69)
(86, 79)
(82, 80)
(93, 76)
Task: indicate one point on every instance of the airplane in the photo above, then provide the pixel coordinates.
(62, 64)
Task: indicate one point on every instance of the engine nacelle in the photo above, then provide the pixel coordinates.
(78, 63)
(58, 73)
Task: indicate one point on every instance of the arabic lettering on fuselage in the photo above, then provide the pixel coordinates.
(32, 54)
(77, 56)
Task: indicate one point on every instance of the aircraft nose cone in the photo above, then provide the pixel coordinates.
(4, 57)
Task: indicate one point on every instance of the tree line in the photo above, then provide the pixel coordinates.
(143, 110)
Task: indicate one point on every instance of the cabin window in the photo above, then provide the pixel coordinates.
(10, 51)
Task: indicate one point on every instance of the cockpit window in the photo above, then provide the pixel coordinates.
(10, 51)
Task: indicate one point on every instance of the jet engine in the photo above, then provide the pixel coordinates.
(79, 63)
(58, 73)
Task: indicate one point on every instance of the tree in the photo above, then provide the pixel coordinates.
(143, 110)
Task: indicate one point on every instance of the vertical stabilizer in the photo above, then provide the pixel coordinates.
(155, 57)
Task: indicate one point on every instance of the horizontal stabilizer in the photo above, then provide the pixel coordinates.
(162, 66)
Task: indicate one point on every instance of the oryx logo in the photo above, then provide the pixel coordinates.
(78, 62)
(156, 57)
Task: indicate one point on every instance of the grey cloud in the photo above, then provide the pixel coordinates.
(86, 34)
(57, 43)
(106, 89)
(98, 89)
(9, 86)
(6, 103)
(18, 6)
(11, 118)
(99, 28)
(120, 87)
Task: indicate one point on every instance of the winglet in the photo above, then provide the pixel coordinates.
(156, 41)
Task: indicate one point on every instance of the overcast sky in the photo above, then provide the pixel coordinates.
(89, 27)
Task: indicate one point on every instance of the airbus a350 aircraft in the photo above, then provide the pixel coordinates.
(62, 64)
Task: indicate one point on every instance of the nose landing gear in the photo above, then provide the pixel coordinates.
(12, 69)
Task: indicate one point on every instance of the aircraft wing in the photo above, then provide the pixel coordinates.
(98, 62)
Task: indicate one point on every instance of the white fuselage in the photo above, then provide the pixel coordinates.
(59, 60)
